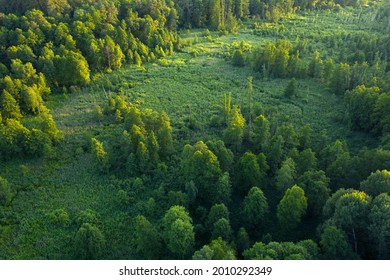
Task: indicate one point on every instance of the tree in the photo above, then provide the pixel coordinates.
(216, 15)
(217, 212)
(379, 223)
(49, 126)
(360, 104)
(111, 53)
(9, 106)
(261, 130)
(238, 58)
(350, 213)
(306, 160)
(200, 165)
(164, 136)
(71, 69)
(242, 241)
(255, 207)
(305, 136)
(100, 155)
(31, 99)
(87, 216)
(38, 143)
(316, 66)
(90, 242)
(249, 173)
(5, 192)
(234, 133)
(292, 207)
(286, 175)
(289, 135)
(275, 152)
(259, 251)
(223, 190)
(178, 231)
(382, 114)
(222, 228)
(142, 156)
(334, 244)
(147, 239)
(153, 148)
(304, 250)
(13, 138)
(341, 79)
(136, 136)
(225, 156)
(217, 250)
(377, 183)
(282, 57)
(316, 187)
(291, 88)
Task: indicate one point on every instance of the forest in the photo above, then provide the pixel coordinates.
(195, 129)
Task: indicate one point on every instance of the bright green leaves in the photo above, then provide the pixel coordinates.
(178, 232)
(291, 208)
(99, 154)
(377, 183)
(201, 165)
(234, 133)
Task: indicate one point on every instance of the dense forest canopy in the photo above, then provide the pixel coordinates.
(266, 133)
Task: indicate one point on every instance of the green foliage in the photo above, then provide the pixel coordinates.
(348, 210)
(341, 79)
(71, 69)
(379, 223)
(334, 244)
(304, 250)
(178, 232)
(218, 249)
(360, 104)
(316, 187)
(351, 210)
(291, 88)
(222, 229)
(377, 183)
(60, 217)
(82, 47)
(149, 243)
(255, 207)
(233, 135)
(242, 240)
(100, 155)
(201, 165)
(225, 156)
(9, 107)
(286, 175)
(87, 217)
(5, 192)
(291, 208)
(13, 138)
(250, 173)
(238, 58)
(223, 190)
(381, 113)
(217, 212)
(261, 130)
(90, 242)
